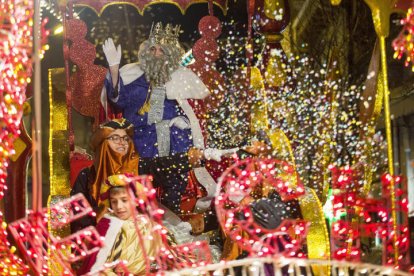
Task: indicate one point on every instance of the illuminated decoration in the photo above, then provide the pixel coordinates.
(346, 201)
(289, 266)
(44, 34)
(15, 69)
(381, 11)
(99, 5)
(394, 190)
(182, 256)
(360, 216)
(39, 246)
(169, 257)
(336, 2)
(404, 43)
(243, 184)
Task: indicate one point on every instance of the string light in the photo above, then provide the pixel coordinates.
(15, 64)
(403, 44)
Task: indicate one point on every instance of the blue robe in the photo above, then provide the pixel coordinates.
(131, 98)
(170, 166)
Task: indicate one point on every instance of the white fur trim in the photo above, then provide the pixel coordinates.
(198, 139)
(115, 225)
(202, 175)
(185, 84)
(130, 72)
(205, 179)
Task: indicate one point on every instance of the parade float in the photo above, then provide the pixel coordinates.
(307, 109)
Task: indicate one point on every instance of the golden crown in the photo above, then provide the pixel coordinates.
(167, 35)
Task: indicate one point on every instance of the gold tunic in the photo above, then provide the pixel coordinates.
(127, 246)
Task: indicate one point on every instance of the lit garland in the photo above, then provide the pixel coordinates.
(246, 182)
(404, 43)
(44, 252)
(15, 67)
(401, 235)
(367, 217)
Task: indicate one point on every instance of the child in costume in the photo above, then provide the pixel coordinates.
(121, 238)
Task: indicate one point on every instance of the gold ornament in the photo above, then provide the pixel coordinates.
(317, 239)
(381, 11)
(336, 2)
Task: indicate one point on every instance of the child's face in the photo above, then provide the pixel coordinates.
(120, 204)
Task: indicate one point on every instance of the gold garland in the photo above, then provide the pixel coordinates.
(311, 208)
(58, 133)
(141, 11)
(317, 238)
(58, 152)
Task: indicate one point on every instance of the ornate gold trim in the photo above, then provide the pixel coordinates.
(141, 12)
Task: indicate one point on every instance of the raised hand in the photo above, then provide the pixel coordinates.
(112, 53)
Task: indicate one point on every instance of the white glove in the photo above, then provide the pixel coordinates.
(180, 122)
(216, 154)
(112, 54)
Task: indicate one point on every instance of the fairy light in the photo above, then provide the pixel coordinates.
(15, 64)
(403, 44)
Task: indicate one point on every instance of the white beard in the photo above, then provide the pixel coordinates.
(157, 70)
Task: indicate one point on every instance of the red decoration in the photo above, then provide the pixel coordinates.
(345, 234)
(69, 210)
(239, 185)
(404, 43)
(206, 52)
(271, 28)
(86, 83)
(184, 256)
(16, 34)
(368, 217)
(39, 246)
(399, 237)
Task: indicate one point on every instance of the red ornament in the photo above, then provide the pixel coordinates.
(209, 26)
(241, 185)
(39, 246)
(206, 49)
(403, 44)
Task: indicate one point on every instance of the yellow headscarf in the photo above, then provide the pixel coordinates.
(121, 180)
(107, 161)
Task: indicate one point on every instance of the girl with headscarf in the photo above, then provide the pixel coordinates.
(114, 154)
